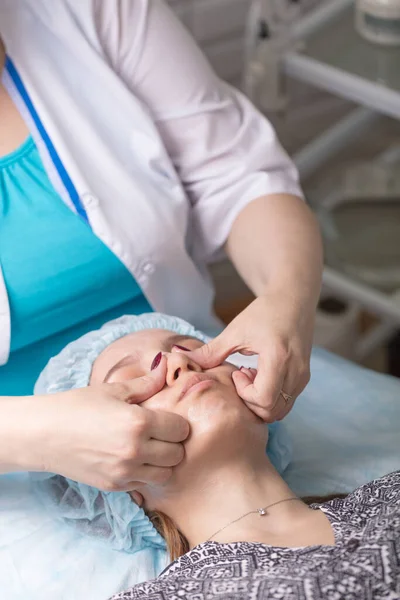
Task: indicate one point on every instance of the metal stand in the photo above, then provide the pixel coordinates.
(374, 99)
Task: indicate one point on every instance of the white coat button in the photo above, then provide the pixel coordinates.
(148, 268)
(89, 200)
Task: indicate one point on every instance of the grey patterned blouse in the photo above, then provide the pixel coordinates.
(364, 564)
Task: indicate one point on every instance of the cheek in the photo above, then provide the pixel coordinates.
(155, 403)
(221, 433)
(206, 413)
(163, 401)
(216, 412)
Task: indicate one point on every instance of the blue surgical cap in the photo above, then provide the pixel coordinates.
(72, 367)
(113, 516)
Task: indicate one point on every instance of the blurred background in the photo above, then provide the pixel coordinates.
(327, 74)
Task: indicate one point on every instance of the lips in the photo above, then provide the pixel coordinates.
(194, 380)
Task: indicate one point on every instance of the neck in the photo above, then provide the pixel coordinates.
(233, 490)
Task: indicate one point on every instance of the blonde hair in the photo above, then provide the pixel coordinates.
(177, 544)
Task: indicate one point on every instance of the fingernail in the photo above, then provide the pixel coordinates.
(156, 361)
(181, 348)
(242, 369)
(238, 371)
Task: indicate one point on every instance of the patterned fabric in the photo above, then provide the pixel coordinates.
(363, 565)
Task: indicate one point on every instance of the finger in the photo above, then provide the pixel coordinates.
(266, 386)
(215, 352)
(292, 385)
(137, 498)
(168, 427)
(283, 407)
(242, 384)
(163, 454)
(249, 373)
(302, 377)
(253, 373)
(154, 475)
(262, 394)
(146, 474)
(135, 391)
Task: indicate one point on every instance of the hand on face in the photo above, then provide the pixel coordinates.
(280, 333)
(99, 435)
(186, 383)
(205, 398)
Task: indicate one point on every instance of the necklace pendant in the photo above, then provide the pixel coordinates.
(261, 511)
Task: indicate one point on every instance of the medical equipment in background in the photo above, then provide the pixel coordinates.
(379, 21)
(268, 36)
(336, 326)
(324, 50)
(359, 213)
(219, 28)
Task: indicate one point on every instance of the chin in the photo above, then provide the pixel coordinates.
(215, 443)
(223, 431)
(214, 407)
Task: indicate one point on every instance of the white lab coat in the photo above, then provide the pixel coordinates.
(162, 154)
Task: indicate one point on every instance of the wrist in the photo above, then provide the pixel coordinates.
(24, 432)
(42, 433)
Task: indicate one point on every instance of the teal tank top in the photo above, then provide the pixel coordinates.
(62, 281)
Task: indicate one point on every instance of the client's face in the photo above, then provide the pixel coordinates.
(222, 426)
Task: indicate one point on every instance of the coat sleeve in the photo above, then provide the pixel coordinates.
(224, 150)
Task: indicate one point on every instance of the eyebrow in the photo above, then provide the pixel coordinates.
(131, 359)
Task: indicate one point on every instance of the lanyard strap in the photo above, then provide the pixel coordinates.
(65, 178)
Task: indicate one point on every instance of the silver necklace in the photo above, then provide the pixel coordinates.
(261, 511)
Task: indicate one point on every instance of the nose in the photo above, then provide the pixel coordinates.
(179, 364)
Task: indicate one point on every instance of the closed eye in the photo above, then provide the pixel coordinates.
(128, 360)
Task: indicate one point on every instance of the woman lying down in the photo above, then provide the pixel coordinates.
(233, 527)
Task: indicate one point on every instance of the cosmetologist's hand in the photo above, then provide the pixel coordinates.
(280, 332)
(101, 435)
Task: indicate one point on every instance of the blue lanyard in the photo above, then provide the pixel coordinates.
(65, 178)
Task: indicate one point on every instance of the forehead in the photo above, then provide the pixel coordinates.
(140, 338)
(135, 341)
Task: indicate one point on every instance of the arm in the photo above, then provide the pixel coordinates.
(99, 435)
(225, 152)
(18, 439)
(276, 246)
(243, 190)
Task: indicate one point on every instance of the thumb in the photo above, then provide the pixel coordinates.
(138, 390)
(214, 353)
(137, 497)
